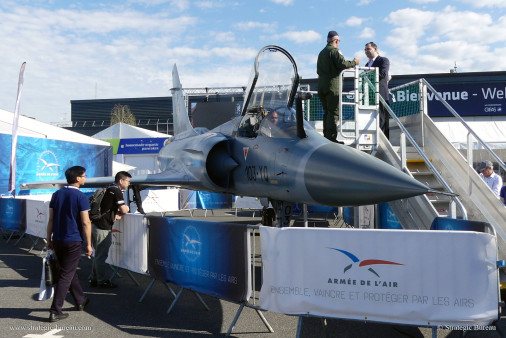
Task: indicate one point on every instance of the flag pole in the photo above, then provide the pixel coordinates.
(14, 143)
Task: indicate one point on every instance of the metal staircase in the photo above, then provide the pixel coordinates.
(418, 147)
(454, 167)
(422, 173)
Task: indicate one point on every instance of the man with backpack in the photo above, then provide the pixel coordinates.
(106, 207)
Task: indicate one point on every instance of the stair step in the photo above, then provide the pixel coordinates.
(422, 173)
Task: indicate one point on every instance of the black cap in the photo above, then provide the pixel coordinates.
(331, 35)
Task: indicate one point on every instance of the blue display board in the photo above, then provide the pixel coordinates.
(208, 257)
(13, 214)
(190, 199)
(43, 159)
(141, 145)
(387, 218)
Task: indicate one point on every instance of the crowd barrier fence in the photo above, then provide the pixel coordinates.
(413, 277)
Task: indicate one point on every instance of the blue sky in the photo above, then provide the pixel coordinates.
(78, 50)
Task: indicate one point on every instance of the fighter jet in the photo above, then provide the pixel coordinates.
(268, 151)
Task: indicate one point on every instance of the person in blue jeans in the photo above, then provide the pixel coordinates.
(68, 222)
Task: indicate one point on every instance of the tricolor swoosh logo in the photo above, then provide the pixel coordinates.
(366, 262)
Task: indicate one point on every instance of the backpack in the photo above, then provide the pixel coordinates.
(95, 200)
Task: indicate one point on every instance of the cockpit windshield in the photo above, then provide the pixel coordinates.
(273, 81)
(270, 95)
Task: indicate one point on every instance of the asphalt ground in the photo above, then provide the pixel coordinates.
(118, 312)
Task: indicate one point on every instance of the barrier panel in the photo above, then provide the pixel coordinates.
(158, 200)
(412, 277)
(37, 215)
(129, 247)
(190, 199)
(13, 215)
(207, 257)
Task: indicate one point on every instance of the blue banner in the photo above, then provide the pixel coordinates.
(13, 214)
(141, 145)
(208, 257)
(190, 199)
(387, 218)
(43, 159)
(467, 99)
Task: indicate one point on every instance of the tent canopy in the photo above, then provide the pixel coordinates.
(33, 128)
(122, 131)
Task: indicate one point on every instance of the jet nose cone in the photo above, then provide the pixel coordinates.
(342, 176)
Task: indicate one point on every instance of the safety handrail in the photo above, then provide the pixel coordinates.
(356, 101)
(405, 134)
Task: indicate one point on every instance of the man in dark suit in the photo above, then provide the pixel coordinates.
(375, 60)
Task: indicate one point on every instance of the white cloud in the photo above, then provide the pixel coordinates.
(122, 53)
(423, 1)
(364, 2)
(437, 39)
(224, 36)
(249, 25)
(354, 21)
(485, 3)
(409, 27)
(367, 33)
(301, 36)
(283, 2)
(181, 5)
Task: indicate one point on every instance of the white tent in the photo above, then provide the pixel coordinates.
(122, 130)
(33, 128)
(119, 135)
(40, 143)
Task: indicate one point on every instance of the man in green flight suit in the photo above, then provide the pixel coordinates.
(330, 64)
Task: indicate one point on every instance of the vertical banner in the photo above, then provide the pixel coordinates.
(13, 214)
(208, 257)
(12, 170)
(416, 277)
(37, 215)
(129, 247)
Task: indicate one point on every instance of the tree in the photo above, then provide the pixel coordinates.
(123, 114)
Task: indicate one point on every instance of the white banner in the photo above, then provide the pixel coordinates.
(129, 248)
(398, 276)
(158, 200)
(37, 214)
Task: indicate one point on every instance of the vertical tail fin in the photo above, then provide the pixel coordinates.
(182, 126)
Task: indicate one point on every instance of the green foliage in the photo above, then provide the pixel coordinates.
(123, 114)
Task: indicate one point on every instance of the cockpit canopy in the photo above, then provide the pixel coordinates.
(270, 95)
(273, 81)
